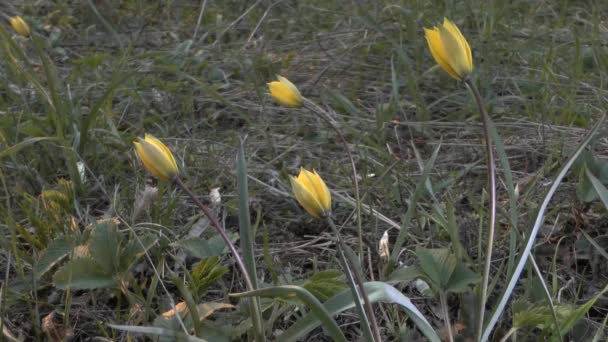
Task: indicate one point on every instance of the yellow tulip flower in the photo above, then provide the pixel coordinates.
(450, 49)
(285, 92)
(312, 193)
(20, 26)
(156, 157)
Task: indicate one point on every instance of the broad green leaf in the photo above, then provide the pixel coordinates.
(204, 248)
(462, 278)
(318, 312)
(104, 245)
(405, 274)
(55, 252)
(377, 292)
(437, 265)
(82, 273)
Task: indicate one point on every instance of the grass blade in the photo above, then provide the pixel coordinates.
(532, 237)
(409, 214)
(247, 241)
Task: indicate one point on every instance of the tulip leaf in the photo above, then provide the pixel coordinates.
(319, 313)
(154, 331)
(377, 292)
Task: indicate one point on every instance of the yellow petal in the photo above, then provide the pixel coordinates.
(323, 194)
(159, 144)
(464, 45)
(436, 46)
(457, 55)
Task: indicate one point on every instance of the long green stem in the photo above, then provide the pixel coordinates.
(216, 225)
(446, 315)
(325, 117)
(357, 287)
(492, 201)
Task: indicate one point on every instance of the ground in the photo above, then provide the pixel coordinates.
(100, 73)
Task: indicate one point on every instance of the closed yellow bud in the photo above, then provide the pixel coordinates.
(20, 26)
(285, 93)
(156, 157)
(450, 49)
(312, 193)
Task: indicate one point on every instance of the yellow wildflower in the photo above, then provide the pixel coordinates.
(156, 157)
(20, 26)
(450, 49)
(312, 193)
(285, 92)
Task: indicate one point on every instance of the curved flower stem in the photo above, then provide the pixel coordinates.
(216, 225)
(358, 289)
(325, 117)
(492, 212)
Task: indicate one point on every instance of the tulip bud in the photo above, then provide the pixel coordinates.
(156, 157)
(285, 92)
(450, 50)
(312, 193)
(20, 26)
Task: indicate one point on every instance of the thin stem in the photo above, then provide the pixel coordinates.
(216, 225)
(492, 201)
(446, 315)
(359, 282)
(325, 117)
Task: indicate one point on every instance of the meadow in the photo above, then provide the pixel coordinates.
(324, 170)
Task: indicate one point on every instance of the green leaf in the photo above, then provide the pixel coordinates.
(204, 248)
(377, 292)
(56, 250)
(600, 189)
(325, 284)
(462, 278)
(104, 246)
(82, 273)
(405, 274)
(154, 331)
(437, 265)
(318, 312)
